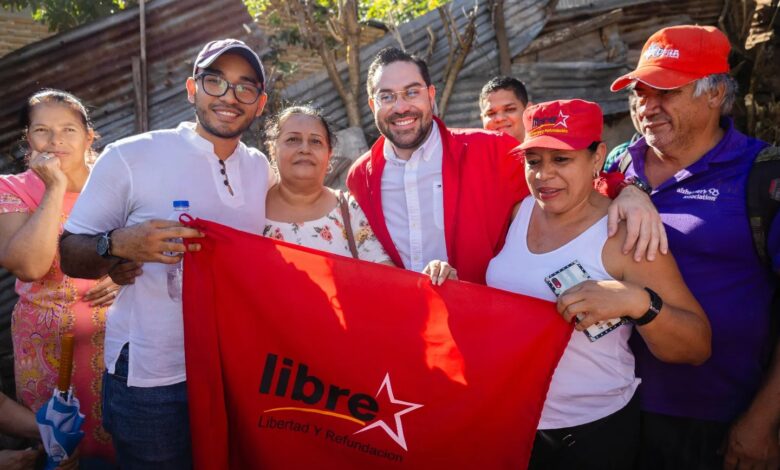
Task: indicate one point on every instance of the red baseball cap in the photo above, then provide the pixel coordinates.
(563, 125)
(676, 56)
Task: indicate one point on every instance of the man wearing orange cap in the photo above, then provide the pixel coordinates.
(696, 164)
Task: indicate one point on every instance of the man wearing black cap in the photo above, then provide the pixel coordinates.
(120, 216)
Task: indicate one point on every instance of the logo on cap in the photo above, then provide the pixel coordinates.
(655, 51)
(544, 125)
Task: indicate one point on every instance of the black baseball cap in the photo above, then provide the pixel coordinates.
(213, 50)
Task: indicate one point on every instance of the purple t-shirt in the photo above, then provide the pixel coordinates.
(704, 209)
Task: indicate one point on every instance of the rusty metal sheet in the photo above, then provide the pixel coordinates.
(94, 63)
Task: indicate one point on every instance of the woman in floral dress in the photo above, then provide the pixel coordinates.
(300, 209)
(33, 208)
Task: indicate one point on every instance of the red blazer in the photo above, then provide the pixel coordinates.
(481, 181)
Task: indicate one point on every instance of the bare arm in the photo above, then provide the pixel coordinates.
(145, 242)
(679, 334)
(28, 242)
(646, 232)
(16, 419)
(79, 257)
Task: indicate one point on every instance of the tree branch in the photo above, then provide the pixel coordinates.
(466, 42)
(431, 44)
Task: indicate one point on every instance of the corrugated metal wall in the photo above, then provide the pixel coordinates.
(605, 38)
(94, 62)
(525, 19)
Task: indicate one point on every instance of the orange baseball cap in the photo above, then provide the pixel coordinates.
(676, 56)
(563, 125)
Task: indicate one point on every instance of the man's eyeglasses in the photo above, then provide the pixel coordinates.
(216, 86)
(388, 98)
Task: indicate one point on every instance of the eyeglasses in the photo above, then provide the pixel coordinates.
(388, 98)
(216, 86)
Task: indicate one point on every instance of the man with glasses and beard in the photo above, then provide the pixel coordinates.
(120, 216)
(439, 198)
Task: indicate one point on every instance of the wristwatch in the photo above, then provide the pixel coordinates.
(104, 244)
(655, 308)
(639, 183)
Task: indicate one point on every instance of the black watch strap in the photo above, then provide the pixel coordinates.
(104, 244)
(640, 183)
(656, 304)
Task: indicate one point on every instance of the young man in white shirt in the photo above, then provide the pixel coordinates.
(120, 216)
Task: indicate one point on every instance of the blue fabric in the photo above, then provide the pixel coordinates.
(59, 421)
(705, 213)
(150, 426)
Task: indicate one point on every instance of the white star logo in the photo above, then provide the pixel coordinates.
(397, 436)
(563, 118)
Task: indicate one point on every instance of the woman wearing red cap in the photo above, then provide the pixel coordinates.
(557, 240)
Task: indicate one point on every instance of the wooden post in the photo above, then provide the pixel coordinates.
(143, 97)
(140, 112)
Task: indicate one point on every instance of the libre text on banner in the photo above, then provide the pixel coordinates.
(296, 358)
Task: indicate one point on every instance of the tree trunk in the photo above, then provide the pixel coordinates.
(464, 44)
(348, 18)
(301, 12)
(499, 24)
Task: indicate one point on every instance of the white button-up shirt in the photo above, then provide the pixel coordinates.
(134, 180)
(413, 202)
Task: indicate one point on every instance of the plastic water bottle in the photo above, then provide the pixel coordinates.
(176, 271)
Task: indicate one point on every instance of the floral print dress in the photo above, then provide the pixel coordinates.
(46, 309)
(328, 233)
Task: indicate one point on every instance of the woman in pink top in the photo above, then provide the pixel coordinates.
(33, 208)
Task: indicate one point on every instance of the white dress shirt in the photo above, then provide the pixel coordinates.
(413, 202)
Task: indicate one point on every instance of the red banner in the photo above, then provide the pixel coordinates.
(297, 358)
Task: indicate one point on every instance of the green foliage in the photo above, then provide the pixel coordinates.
(397, 11)
(391, 12)
(62, 15)
(387, 11)
(257, 7)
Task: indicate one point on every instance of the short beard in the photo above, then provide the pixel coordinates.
(201, 115)
(421, 136)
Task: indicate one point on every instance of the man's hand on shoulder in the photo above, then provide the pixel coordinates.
(150, 240)
(645, 230)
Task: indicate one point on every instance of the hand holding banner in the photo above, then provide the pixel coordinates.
(296, 357)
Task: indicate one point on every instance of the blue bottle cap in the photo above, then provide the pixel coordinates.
(181, 204)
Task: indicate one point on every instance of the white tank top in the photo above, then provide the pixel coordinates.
(593, 379)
